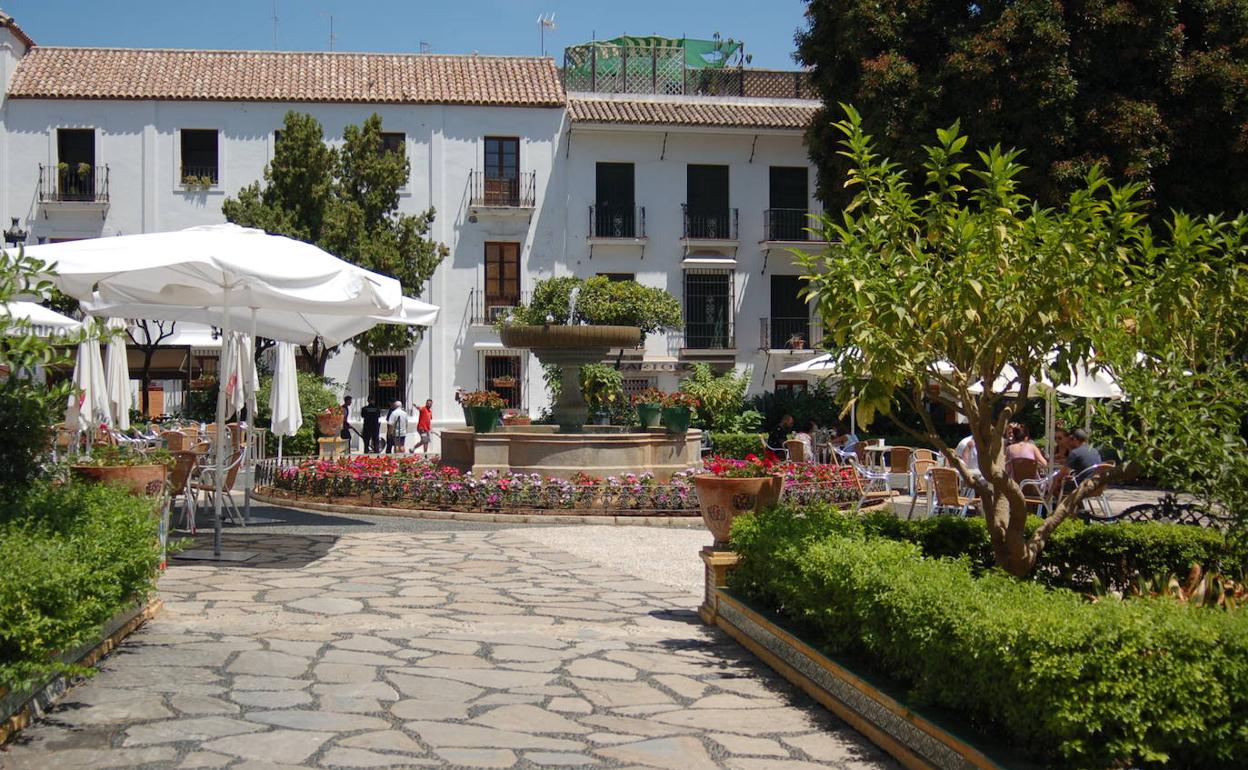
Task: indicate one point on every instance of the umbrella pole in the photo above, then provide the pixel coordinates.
(279, 448)
(218, 478)
(251, 428)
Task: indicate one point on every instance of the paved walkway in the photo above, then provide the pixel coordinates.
(448, 647)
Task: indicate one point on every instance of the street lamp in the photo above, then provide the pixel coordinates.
(14, 236)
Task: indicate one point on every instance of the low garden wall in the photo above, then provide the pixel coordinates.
(1074, 680)
(417, 482)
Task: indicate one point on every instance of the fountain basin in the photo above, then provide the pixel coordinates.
(602, 452)
(570, 348)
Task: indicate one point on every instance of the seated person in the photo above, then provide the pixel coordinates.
(845, 440)
(1021, 447)
(780, 434)
(807, 436)
(1080, 455)
(1060, 437)
(969, 454)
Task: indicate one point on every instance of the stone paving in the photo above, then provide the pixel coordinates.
(474, 649)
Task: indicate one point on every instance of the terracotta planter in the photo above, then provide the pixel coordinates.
(676, 419)
(146, 480)
(329, 425)
(519, 419)
(722, 500)
(649, 415)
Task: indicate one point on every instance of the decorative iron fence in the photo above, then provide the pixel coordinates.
(83, 183)
(714, 225)
(617, 221)
(201, 175)
(778, 333)
(613, 69)
(789, 225)
(519, 191)
(486, 309)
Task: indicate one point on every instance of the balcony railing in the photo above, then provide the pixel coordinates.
(201, 176)
(708, 335)
(789, 225)
(778, 333)
(709, 224)
(81, 184)
(617, 221)
(646, 69)
(518, 192)
(485, 309)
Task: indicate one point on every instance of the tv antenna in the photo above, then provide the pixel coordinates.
(274, 24)
(426, 47)
(545, 22)
(332, 36)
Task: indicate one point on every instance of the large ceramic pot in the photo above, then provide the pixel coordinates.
(649, 415)
(468, 416)
(676, 419)
(484, 418)
(329, 425)
(138, 479)
(721, 500)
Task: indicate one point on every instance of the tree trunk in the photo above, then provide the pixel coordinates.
(145, 381)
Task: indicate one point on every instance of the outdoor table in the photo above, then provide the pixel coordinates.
(877, 454)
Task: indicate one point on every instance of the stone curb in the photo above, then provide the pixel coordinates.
(683, 522)
(911, 738)
(21, 708)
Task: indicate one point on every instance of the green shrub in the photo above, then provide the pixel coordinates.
(1140, 683)
(600, 302)
(737, 445)
(315, 395)
(71, 557)
(722, 400)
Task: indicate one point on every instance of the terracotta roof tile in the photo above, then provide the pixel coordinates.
(130, 74)
(692, 111)
(7, 21)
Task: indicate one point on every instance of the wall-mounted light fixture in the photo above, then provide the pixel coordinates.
(15, 236)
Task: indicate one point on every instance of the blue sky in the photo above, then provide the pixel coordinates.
(449, 26)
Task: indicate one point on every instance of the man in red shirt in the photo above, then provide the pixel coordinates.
(424, 424)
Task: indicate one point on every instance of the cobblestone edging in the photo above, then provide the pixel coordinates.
(260, 495)
(18, 709)
(909, 737)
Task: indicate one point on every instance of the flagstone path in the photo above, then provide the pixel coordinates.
(474, 649)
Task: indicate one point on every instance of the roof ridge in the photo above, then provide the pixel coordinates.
(469, 56)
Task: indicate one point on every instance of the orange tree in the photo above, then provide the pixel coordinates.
(962, 279)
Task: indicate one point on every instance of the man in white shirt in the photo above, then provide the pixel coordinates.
(967, 453)
(397, 421)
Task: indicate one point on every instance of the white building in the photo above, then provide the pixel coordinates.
(700, 195)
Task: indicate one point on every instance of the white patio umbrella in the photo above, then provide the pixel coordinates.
(223, 267)
(276, 324)
(87, 408)
(828, 365)
(117, 374)
(287, 414)
(45, 321)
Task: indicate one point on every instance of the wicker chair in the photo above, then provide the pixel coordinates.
(899, 465)
(919, 471)
(180, 484)
(947, 489)
(796, 451)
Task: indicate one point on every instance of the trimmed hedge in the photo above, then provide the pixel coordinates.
(1115, 554)
(1080, 685)
(71, 557)
(737, 445)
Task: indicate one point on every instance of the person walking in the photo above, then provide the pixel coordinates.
(424, 425)
(371, 433)
(398, 428)
(345, 433)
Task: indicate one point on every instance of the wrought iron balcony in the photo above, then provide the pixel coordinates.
(709, 224)
(516, 192)
(778, 333)
(200, 176)
(617, 222)
(487, 308)
(708, 335)
(789, 225)
(83, 183)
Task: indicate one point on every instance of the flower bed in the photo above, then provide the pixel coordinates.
(420, 482)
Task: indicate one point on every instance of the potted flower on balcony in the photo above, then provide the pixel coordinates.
(728, 488)
(387, 379)
(142, 473)
(484, 406)
(678, 411)
(649, 403)
(797, 342)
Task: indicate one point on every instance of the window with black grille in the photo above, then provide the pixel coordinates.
(789, 323)
(708, 309)
(788, 200)
(502, 374)
(395, 142)
(615, 213)
(200, 156)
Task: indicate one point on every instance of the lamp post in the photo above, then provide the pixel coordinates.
(15, 235)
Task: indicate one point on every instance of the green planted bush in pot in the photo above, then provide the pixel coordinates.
(649, 404)
(678, 411)
(485, 406)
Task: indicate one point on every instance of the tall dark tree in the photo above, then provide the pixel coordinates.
(1154, 90)
(345, 200)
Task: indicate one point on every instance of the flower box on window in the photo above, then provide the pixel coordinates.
(387, 380)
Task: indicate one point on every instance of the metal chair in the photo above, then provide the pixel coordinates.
(899, 465)
(919, 469)
(1099, 497)
(947, 489)
(874, 480)
(207, 484)
(181, 480)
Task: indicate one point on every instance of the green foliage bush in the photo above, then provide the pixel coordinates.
(722, 400)
(737, 445)
(600, 302)
(315, 395)
(1081, 685)
(71, 557)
